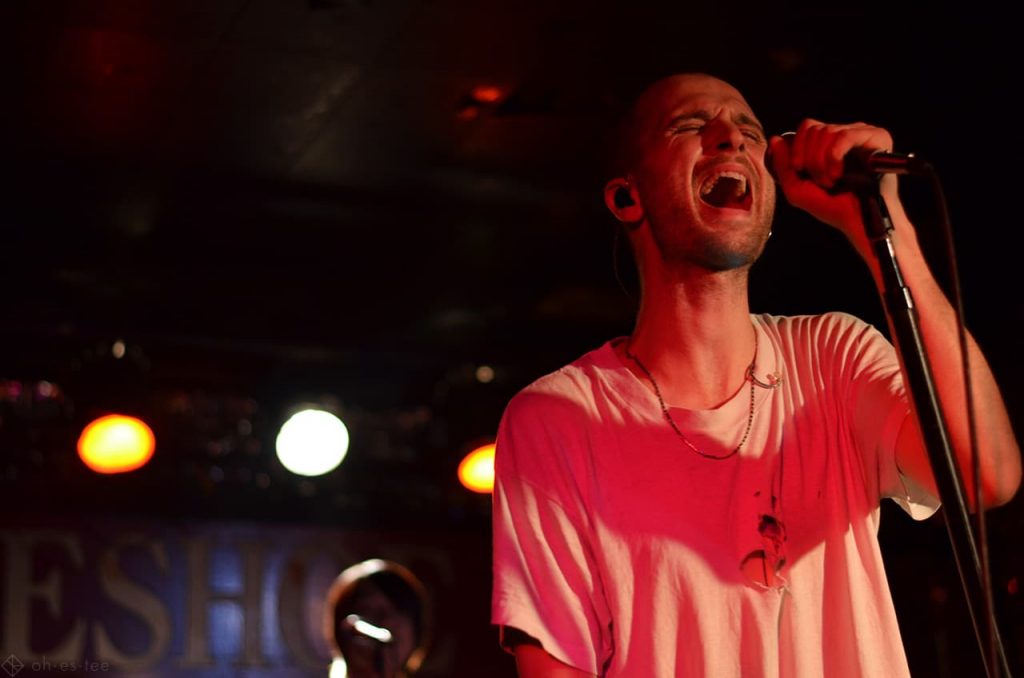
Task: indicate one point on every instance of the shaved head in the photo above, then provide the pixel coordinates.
(640, 117)
(689, 161)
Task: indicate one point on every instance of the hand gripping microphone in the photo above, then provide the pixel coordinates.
(862, 165)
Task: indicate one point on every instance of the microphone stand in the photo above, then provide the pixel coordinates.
(899, 304)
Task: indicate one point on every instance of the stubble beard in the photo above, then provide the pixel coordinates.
(683, 241)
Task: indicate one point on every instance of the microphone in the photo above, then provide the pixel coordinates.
(861, 165)
(864, 162)
(360, 626)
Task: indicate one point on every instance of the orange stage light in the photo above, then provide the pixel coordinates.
(116, 444)
(476, 471)
(487, 94)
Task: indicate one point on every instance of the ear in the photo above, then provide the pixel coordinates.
(622, 201)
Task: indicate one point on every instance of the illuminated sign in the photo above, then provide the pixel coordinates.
(192, 600)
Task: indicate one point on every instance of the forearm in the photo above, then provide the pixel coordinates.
(808, 165)
(999, 452)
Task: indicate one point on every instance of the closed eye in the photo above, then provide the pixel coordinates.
(682, 129)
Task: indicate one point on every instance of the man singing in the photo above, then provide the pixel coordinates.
(701, 498)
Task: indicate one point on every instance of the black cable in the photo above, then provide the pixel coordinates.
(980, 531)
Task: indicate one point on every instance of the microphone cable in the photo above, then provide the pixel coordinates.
(996, 657)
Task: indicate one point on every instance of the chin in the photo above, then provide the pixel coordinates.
(719, 262)
(718, 256)
(718, 244)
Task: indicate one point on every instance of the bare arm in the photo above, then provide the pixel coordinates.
(997, 445)
(812, 163)
(532, 661)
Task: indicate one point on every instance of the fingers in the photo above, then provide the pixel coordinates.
(778, 158)
(810, 162)
(788, 162)
(817, 151)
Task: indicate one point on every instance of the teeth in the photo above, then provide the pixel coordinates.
(709, 184)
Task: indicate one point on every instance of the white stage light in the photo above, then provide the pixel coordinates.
(312, 442)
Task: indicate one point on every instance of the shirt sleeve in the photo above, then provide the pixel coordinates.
(546, 579)
(879, 408)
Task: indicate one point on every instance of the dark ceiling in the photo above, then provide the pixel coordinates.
(273, 199)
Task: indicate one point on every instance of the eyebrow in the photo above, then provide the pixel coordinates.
(741, 118)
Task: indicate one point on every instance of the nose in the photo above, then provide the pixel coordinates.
(725, 136)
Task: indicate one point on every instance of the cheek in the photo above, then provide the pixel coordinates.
(771, 196)
(668, 165)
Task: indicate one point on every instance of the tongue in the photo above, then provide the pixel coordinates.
(726, 193)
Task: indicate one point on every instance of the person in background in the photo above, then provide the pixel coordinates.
(376, 621)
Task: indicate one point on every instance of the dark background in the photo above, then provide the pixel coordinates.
(276, 201)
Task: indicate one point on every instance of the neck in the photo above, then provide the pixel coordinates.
(694, 334)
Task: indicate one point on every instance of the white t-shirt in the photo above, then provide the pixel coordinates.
(622, 550)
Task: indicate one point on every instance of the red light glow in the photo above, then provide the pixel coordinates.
(487, 94)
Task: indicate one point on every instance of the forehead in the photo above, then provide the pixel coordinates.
(670, 97)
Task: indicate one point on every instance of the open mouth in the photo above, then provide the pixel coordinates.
(726, 190)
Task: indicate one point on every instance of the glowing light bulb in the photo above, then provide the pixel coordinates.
(476, 471)
(312, 442)
(116, 444)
